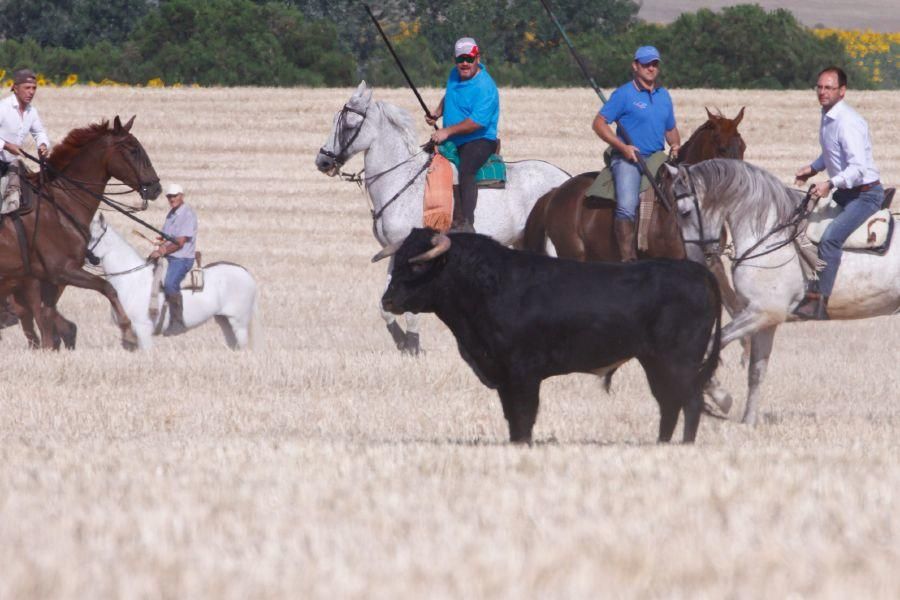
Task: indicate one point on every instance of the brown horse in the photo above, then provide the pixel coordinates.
(57, 228)
(582, 228)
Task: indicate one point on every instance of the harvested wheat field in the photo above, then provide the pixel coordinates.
(325, 464)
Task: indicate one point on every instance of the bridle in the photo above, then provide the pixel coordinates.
(703, 241)
(801, 212)
(92, 257)
(341, 157)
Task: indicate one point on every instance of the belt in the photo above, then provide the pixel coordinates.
(866, 187)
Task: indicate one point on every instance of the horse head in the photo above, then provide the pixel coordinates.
(128, 162)
(718, 137)
(345, 140)
(726, 140)
(699, 232)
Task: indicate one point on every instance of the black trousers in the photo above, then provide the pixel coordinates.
(472, 155)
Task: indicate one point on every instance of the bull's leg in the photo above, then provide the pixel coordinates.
(668, 389)
(693, 406)
(760, 350)
(520, 407)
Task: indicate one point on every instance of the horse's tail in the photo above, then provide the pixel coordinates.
(711, 362)
(535, 237)
(254, 332)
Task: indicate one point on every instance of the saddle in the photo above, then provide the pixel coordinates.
(873, 236)
(192, 283)
(604, 188)
(492, 173)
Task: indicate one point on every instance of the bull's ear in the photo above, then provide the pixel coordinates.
(388, 250)
(739, 116)
(673, 171)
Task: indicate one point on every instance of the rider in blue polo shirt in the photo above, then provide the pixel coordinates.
(645, 111)
(471, 111)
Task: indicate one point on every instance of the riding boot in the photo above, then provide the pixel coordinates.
(176, 315)
(813, 307)
(625, 238)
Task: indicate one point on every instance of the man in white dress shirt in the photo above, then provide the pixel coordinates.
(18, 118)
(847, 157)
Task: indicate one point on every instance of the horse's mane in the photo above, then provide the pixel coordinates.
(401, 120)
(66, 150)
(746, 191)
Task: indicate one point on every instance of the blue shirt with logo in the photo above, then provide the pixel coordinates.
(645, 115)
(475, 99)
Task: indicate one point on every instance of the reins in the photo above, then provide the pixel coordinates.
(120, 207)
(91, 248)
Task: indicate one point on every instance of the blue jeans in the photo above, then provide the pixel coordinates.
(858, 206)
(178, 268)
(627, 179)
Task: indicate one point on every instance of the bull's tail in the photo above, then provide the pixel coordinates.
(711, 362)
(535, 237)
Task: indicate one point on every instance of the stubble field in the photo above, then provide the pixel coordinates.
(324, 464)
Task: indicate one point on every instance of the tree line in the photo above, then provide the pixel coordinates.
(333, 42)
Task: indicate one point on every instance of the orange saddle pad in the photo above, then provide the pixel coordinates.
(438, 207)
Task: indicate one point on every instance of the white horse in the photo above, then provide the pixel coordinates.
(395, 181)
(229, 291)
(766, 270)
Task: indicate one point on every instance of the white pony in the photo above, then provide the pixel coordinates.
(395, 181)
(229, 292)
(766, 270)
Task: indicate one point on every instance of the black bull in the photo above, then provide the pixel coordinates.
(520, 318)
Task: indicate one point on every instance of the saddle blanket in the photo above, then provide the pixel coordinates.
(492, 173)
(437, 211)
(875, 234)
(604, 187)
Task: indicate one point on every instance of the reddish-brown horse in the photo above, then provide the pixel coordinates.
(582, 228)
(57, 227)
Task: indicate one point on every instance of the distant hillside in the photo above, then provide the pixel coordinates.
(877, 15)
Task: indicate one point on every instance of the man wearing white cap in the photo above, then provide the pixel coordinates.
(646, 112)
(471, 112)
(181, 224)
(18, 118)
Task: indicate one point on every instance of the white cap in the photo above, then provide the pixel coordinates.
(465, 46)
(174, 189)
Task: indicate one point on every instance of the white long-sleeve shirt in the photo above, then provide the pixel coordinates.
(14, 126)
(846, 148)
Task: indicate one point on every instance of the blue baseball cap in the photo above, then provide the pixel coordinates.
(646, 54)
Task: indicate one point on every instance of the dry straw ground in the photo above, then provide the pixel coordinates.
(326, 465)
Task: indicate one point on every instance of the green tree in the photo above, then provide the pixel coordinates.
(70, 23)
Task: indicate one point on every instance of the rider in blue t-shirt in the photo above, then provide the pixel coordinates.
(471, 111)
(645, 111)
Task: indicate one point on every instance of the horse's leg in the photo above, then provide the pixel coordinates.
(29, 294)
(228, 331)
(412, 335)
(760, 350)
(82, 279)
(64, 331)
(18, 304)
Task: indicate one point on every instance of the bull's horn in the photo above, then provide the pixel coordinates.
(439, 244)
(388, 250)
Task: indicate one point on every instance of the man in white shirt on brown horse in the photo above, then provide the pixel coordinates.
(18, 118)
(847, 157)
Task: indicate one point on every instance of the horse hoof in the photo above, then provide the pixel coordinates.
(411, 347)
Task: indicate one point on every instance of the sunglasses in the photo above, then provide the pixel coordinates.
(465, 58)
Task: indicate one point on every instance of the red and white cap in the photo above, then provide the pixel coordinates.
(465, 47)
